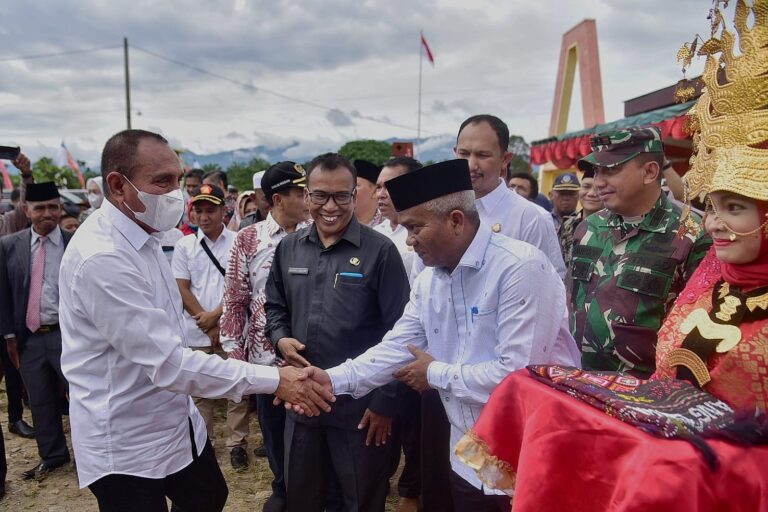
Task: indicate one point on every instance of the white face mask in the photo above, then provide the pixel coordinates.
(162, 211)
(95, 199)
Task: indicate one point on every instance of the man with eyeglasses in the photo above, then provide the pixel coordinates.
(335, 288)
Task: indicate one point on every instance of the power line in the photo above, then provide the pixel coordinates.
(58, 54)
(273, 93)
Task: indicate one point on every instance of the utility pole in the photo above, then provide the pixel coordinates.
(127, 84)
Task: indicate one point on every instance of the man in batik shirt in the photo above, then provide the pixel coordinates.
(629, 263)
(243, 317)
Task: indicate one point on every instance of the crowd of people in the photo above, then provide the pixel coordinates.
(368, 311)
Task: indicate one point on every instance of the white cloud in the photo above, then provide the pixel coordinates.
(359, 59)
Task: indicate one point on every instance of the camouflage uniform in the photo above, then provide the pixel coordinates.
(565, 235)
(624, 277)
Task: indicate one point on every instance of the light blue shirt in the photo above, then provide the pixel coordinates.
(54, 251)
(503, 307)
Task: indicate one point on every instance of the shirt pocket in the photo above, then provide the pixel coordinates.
(647, 274)
(484, 321)
(584, 258)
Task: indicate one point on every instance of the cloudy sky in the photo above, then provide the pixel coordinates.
(319, 73)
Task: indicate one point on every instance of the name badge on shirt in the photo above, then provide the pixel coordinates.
(298, 271)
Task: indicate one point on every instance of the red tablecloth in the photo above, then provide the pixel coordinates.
(568, 456)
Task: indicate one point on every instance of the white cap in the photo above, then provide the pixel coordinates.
(257, 180)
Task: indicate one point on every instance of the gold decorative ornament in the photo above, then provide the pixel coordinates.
(698, 318)
(730, 121)
(689, 359)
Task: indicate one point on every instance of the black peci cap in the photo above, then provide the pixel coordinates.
(428, 183)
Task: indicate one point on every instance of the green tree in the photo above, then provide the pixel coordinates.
(521, 155)
(240, 175)
(46, 170)
(211, 167)
(375, 151)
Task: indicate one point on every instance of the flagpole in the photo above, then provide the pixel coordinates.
(418, 122)
(127, 83)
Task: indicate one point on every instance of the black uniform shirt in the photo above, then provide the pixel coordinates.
(338, 300)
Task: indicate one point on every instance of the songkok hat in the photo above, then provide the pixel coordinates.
(42, 191)
(610, 149)
(367, 170)
(428, 183)
(283, 175)
(567, 181)
(257, 180)
(210, 193)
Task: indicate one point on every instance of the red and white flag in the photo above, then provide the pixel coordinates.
(7, 185)
(427, 50)
(65, 159)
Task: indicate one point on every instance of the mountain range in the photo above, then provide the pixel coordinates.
(436, 148)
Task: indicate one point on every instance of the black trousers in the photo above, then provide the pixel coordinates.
(406, 434)
(315, 453)
(13, 385)
(467, 497)
(435, 452)
(40, 368)
(3, 463)
(199, 487)
(272, 423)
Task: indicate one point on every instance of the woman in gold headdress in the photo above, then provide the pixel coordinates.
(717, 334)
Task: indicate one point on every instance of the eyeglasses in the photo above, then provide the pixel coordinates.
(340, 198)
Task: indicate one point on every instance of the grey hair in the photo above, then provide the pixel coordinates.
(463, 201)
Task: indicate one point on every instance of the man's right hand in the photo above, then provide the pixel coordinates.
(302, 393)
(290, 347)
(23, 164)
(13, 351)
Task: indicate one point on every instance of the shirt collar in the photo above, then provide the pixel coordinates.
(54, 236)
(657, 220)
(492, 198)
(223, 236)
(351, 234)
(136, 236)
(272, 226)
(474, 255)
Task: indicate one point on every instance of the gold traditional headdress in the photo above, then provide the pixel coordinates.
(730, 120)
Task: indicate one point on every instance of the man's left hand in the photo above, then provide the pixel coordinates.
(206, 320)
(379, 427)
(415, 374)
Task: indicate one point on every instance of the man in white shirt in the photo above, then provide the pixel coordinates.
(199, 265)
(366, 207)
(483, 140)
(136, 432)
(244, 318)
(407, 424)
(485, 306)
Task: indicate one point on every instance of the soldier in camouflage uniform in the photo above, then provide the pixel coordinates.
(629, 263)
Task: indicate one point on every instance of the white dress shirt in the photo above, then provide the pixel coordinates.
(502, 308)
(54, 250)
(125, 355)
(521, 219)
(398, 236)
(191, 262)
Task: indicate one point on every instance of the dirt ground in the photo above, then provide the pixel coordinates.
(60, 492)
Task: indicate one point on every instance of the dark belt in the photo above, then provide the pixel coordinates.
(47, 328)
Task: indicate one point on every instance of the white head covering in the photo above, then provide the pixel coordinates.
(93, 199)
(257, 180)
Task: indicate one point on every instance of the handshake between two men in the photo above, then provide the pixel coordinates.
(308, 390)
